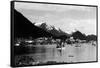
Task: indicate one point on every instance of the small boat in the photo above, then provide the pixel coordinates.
(61, 48)
(70, 55)
(78, 46)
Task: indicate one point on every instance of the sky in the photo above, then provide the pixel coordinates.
(66, 17)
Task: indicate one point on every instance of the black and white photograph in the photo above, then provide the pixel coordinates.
(50, 33)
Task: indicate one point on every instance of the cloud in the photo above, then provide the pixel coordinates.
(66, 17)
(69, 25)
(50, 7)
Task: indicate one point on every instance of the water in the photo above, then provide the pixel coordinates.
(83, 52)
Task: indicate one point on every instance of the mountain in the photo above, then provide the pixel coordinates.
(78, 35)
(25, 29)
(53, 30)
(91, 37)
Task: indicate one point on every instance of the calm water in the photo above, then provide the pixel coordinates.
(43, 53)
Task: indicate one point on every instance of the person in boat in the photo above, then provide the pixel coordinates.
(60, 43)
(62, 40)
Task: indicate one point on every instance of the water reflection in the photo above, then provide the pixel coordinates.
(69, 54)
(60, 52)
